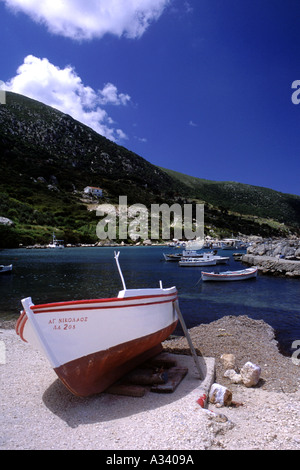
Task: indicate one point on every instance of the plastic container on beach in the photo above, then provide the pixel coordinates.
(219, 394)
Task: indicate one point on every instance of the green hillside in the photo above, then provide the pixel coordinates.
(243, 198)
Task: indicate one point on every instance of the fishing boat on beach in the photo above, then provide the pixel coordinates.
(240, 275)
(92, 343)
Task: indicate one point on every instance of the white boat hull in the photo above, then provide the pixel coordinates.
(244, 274)
(90, 344)
(197, 262)
(193, 258)
(5, 269)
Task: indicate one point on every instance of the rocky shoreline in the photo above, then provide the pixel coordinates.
(284, 248)
(248, 340)
(278, 257)
(272, 265)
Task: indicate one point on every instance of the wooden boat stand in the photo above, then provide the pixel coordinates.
(161, 373)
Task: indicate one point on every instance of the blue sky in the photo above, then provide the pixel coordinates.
(203, 87)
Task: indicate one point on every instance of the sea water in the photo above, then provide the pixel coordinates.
(54, 275)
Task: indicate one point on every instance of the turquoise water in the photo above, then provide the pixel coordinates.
(84, 273)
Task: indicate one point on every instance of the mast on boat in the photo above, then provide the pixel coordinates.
(117, 254)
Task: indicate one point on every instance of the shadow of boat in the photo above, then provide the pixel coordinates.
(105, 407)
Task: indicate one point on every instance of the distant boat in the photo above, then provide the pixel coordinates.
(172, 256)
(191, 253)
(213, 245)
(197, 262)
(184, 254)
(232, 244)
(190, 257)
(230, 275)
(203, 259)
(55, 243)
(92, 343)
(5, 269)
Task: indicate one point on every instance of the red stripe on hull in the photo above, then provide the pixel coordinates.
(96, 372)
(99, 307)
(20, 325)
(73, 303)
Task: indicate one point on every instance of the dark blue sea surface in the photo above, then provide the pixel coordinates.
(87, 273)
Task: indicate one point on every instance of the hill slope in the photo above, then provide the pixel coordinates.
(47, 158)
(42, 142)
(244, 198)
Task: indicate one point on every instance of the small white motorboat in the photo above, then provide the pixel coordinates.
(172, 256)
(220, 259)
(197, 262)
(194, 258)
(241, 275)
(5, 269)
(211, 256)
(56, 243)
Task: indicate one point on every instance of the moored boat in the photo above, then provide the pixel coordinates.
(194, 258)
(197, 262)
(5, 269)
(172, 256)
(55, 243)
(92, 343)
(240, 275)
(204, 259)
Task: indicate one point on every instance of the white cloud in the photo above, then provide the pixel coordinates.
(63, 89)
(110, 94)
(193, 124)
(141, 139)
(188, 7)
(81, 19)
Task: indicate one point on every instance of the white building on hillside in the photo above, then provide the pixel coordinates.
(93, 191)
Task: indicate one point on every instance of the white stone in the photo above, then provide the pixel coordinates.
(250, 374)
(233, 376)
(228, 361)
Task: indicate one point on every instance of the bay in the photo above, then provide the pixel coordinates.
(86, 273)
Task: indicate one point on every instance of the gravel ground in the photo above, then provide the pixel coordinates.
(249, 340)
(37, 412)
(269, 415)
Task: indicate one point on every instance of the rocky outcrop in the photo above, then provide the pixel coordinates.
(272, 265)
(278, 248)
(279, 257)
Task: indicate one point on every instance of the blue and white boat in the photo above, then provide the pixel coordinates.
(240, 275)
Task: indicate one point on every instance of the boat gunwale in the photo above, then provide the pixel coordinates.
(45, 308)
(35, 308)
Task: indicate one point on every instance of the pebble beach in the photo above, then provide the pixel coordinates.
(38, 413)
